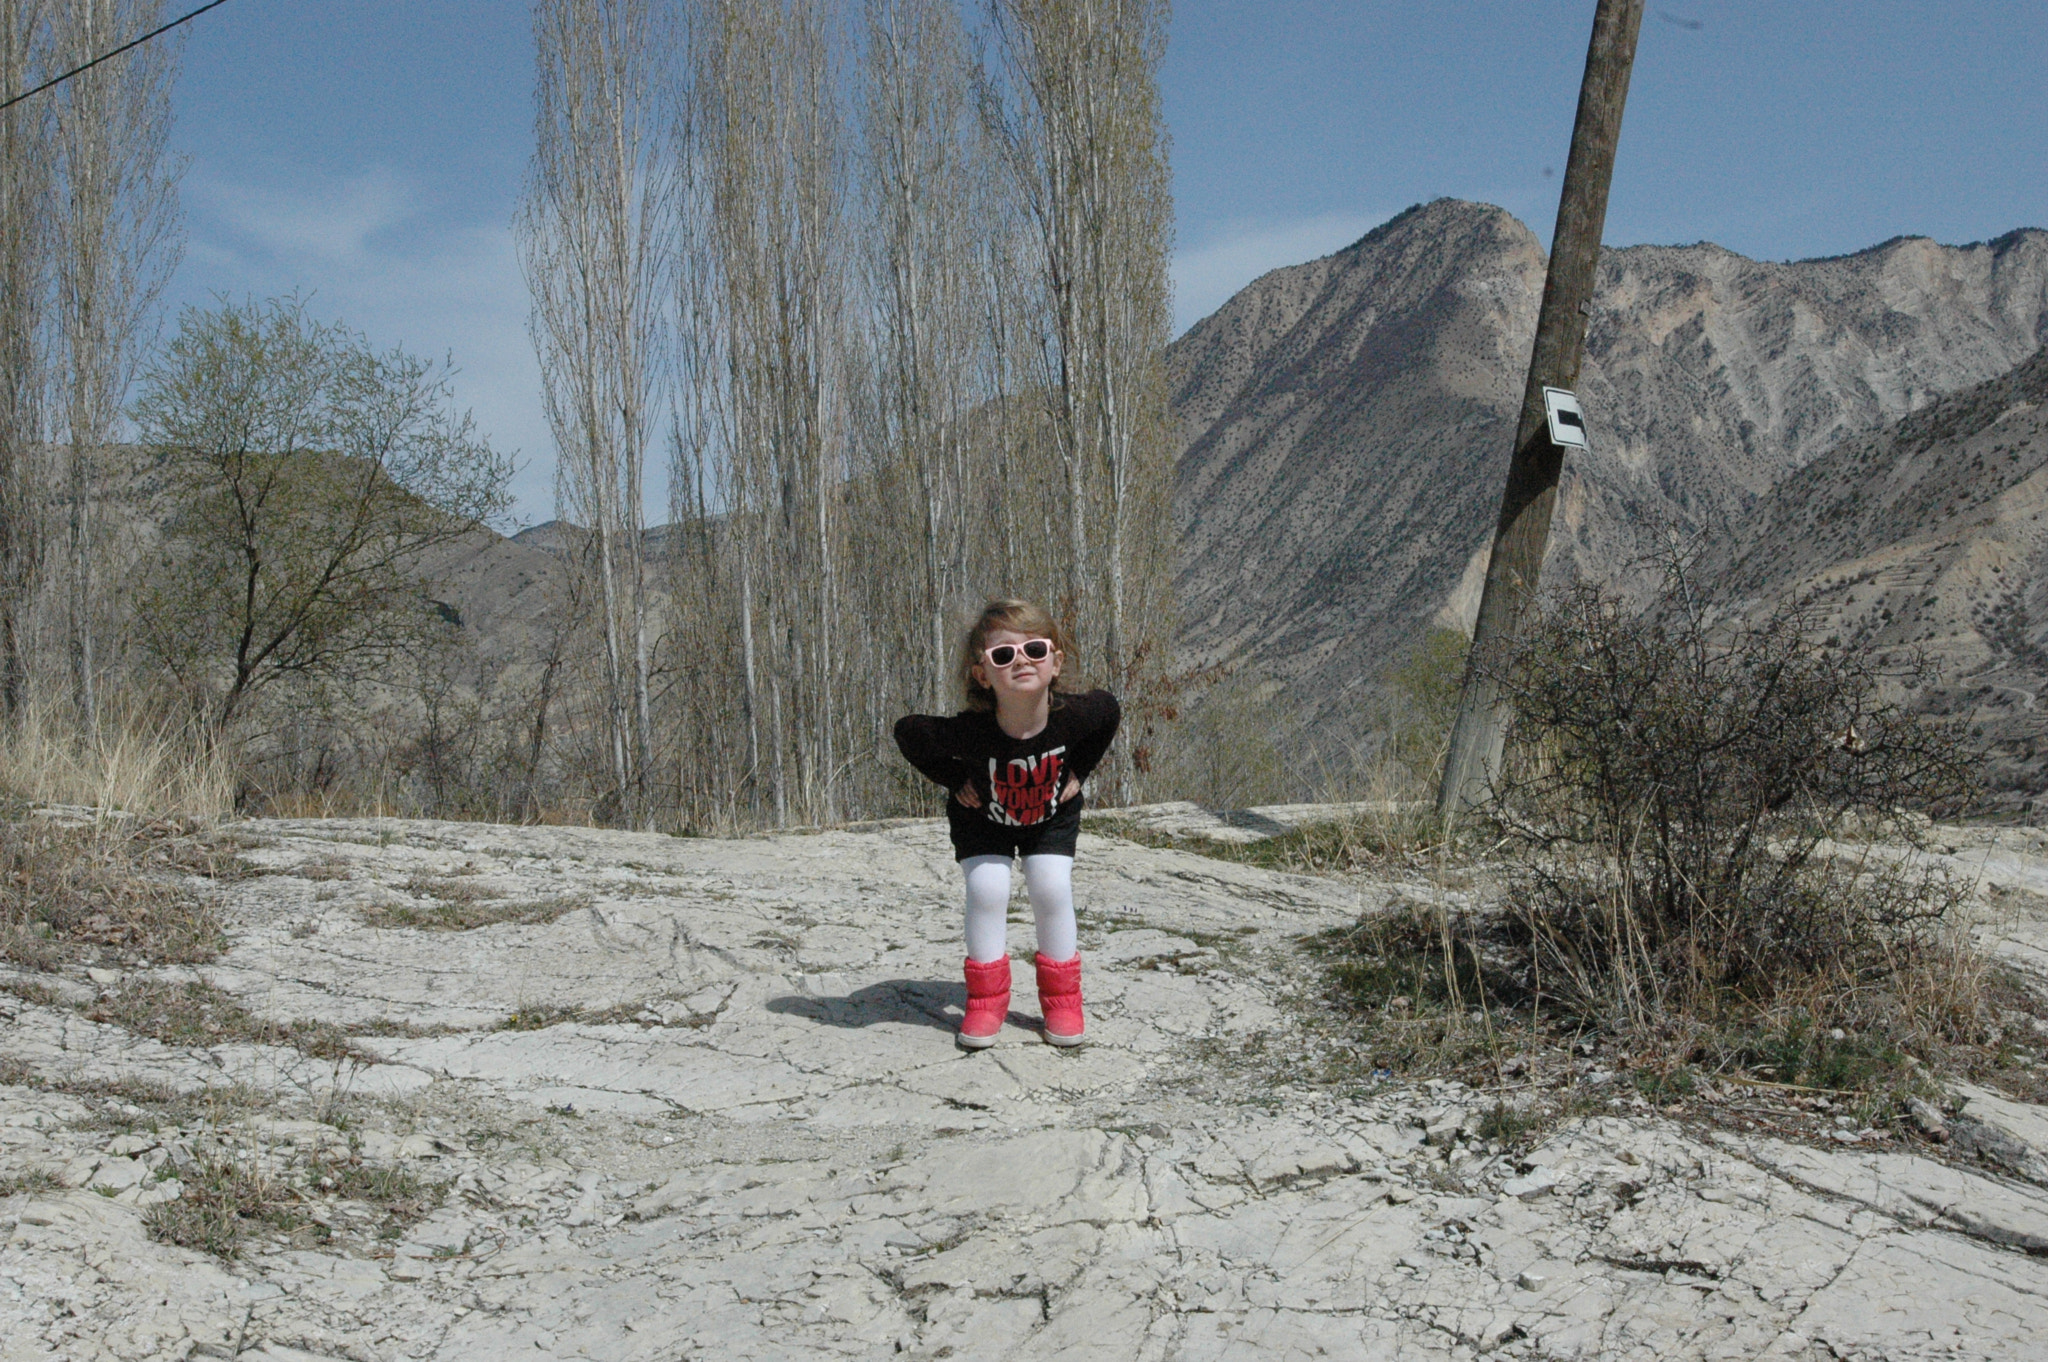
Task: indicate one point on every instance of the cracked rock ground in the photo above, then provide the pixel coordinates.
(699, 1099)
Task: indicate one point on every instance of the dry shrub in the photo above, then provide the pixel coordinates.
(1224, 748)
(1706, 816)
(70, 889)
(1417, 700)
(1708, 867)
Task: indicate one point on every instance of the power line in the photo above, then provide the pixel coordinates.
(109, 56)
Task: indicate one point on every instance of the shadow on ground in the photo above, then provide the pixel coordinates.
(937, 1003)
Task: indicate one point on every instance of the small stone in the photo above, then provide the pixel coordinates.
(1443, 1130)
(156, 1194)
(1538, 1181)
(1928, 1118)
(119, 1174)
(1531, 1281)
(1400, 1196)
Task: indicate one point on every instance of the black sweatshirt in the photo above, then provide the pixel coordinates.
(1019, 779)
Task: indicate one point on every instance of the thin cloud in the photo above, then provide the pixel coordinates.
(1205, 277)
(371, 251)
(336, 223)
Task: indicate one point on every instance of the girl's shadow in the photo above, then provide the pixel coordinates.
(937, 1003)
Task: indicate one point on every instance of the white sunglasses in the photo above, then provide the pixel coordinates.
(1033, 649)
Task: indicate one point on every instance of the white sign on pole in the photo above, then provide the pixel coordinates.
(1567, 421)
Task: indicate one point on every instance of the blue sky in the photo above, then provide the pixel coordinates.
(369, 152)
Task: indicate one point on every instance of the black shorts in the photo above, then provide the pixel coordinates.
(975, 835)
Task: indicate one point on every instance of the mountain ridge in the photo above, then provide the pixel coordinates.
(1345, 423)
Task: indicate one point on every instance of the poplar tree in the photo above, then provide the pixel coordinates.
(768, 138)
(1076, 105)
(26, 173)
(592, 229)
(117, 240)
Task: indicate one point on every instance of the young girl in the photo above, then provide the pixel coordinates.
(1015, 760)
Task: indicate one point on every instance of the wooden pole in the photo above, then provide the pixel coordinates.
(1523, 533)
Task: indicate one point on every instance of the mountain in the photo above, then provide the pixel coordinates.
(1344, 424)
(498, 588)
(1927, 536)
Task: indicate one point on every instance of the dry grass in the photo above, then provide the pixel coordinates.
(32, 991)
(127, 811)
(222, 1203)
(126, 1105)
(132, 764)
(455, 889)
(130, 1104)
(1394, 833)
(467, 911)
(34, 1183)
(198, 1014)
(226, 1201)
(82, 890)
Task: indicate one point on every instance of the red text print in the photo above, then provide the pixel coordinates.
(1026, 789)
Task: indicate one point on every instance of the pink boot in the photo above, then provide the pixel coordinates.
(988, 1002)
(1059, 997)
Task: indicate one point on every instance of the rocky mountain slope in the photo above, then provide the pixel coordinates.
(1927, 536)
(1345, 423)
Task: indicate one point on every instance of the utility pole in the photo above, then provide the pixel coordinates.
(1524, 529)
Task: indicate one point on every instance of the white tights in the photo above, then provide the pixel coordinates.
(1049, 880)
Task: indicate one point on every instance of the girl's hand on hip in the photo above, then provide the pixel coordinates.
(968, 796)
(1073, 788)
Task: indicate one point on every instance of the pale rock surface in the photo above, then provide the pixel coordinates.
(760, 1142)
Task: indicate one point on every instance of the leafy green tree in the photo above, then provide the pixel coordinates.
(308, 478)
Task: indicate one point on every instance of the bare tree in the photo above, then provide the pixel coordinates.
(1077, 109)
(26, 174)
(767, 141)
(118, 226)
(593, 226)
(924, 186)
(880, 410)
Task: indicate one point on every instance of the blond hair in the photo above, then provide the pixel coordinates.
(1019, 617)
